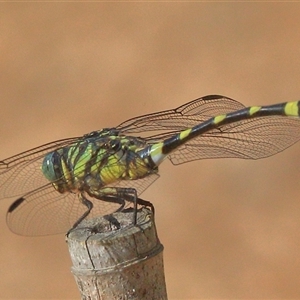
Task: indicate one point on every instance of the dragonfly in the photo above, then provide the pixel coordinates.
(59, 184)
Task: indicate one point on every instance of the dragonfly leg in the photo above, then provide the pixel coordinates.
(147, 204)
(89, 206)
(130, 195)
(113, 199)
(120, 195)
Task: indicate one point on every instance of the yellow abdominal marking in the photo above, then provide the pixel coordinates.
(291, 109)
(254, 109)
(219, 119)
(185, 133)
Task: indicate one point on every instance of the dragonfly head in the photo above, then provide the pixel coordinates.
(50, 166)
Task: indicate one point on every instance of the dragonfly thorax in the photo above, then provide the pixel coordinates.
(98, 160)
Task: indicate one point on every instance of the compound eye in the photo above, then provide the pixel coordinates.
(48, 167)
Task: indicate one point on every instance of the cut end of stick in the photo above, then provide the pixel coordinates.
(113, 259)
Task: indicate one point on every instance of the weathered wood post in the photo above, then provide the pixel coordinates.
(124, 263)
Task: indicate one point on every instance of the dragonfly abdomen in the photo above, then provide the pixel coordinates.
(158, 152)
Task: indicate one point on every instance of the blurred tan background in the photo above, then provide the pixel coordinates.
(230, 228)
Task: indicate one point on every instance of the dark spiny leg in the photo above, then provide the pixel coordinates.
(130, 195)
(119, 195)
(89, 206)
(114, 199)
(147, 204)
(134, 207)
(133, 198)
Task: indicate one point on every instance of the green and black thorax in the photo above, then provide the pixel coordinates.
(96, 160)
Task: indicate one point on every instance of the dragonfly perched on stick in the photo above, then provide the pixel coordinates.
(59, 184)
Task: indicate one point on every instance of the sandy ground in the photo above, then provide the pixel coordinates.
(230, 227)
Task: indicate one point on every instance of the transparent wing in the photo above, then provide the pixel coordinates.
(22, 173)
(248, 139)
(185, 116)
(45, 211)
(42, 210)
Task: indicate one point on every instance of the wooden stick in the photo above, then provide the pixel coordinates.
(111, 263)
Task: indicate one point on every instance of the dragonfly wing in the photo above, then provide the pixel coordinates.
(43, 212)
(248, 139)
(185, 116)
(22, 173)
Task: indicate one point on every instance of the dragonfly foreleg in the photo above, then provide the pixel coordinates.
(89, 206)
